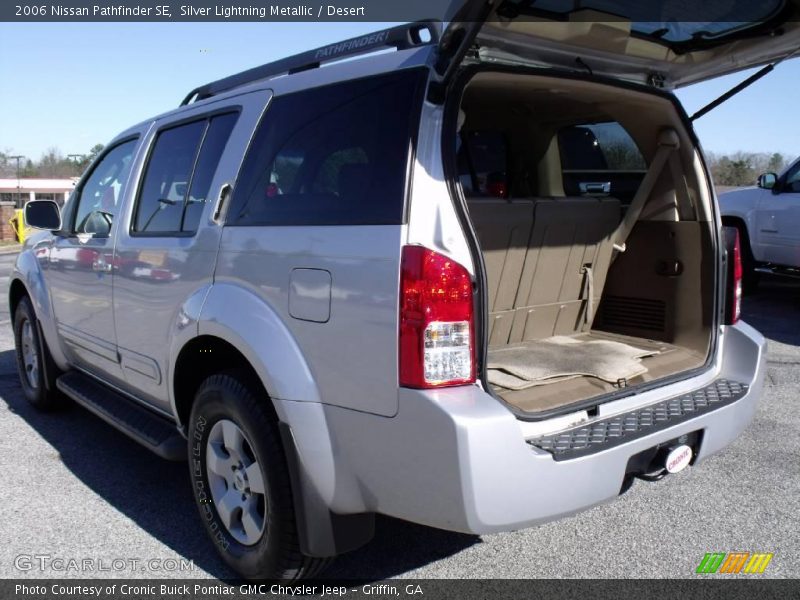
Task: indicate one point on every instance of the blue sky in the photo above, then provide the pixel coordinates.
(74, 85)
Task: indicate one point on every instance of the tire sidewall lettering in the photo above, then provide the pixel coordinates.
(202, 495)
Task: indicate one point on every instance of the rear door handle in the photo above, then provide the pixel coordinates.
(595, 187)
(221, 206)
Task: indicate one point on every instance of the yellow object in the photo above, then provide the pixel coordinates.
(18, 223)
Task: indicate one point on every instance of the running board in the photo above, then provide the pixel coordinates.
(156, 433)
(779, 271)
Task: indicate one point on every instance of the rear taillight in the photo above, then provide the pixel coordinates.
(733, 295)
(436, 321)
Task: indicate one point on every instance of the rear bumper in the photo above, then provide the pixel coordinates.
(458, 460)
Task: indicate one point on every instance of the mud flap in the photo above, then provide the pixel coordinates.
(321, 532)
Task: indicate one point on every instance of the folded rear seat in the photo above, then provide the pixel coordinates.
(565, 267)
(504, 230)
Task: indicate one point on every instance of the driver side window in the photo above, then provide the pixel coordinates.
(99, 200)
(793, 179)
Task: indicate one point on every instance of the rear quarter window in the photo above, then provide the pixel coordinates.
(336, 155)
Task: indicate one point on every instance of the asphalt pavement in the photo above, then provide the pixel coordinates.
(77, 490)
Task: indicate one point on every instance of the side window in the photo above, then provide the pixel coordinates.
(482, 162)
(793, 179)
(166, 180)
(219, 130)
(178, 175)
(99, 200)
(333, 172)
(331, 156)
(599, 147)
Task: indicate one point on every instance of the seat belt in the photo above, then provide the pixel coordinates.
(686, 209)
(668, 144)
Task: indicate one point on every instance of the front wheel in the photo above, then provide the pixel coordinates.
(241, 483)
(31, 354)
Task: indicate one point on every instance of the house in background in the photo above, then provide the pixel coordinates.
(14, 193)
(19, 191)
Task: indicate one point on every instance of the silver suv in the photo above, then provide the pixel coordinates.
(470, 283)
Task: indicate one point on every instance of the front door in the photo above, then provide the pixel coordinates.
(778, 220)
(81, 259)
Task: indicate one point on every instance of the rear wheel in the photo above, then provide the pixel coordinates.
(241, 482)
(36, 376)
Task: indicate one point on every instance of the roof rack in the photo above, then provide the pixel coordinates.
(417, 34)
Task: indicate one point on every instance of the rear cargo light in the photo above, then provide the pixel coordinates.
(436, 345)
(733, 300)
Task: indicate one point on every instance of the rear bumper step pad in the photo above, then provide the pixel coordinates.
(154, 432)
(620, 429)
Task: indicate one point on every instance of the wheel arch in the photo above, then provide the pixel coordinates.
(16, 292)
(246, 321)
(200, 358)
(741, 224)
(308, 449)
(27, 279)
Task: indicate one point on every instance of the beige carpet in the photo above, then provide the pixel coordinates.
(521, 366)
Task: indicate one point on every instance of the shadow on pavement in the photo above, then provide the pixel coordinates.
(774, 309)
(155, 494)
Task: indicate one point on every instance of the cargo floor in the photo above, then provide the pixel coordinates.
(669, 360)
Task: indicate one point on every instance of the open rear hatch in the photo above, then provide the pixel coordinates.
(599, 255)
(668, 44)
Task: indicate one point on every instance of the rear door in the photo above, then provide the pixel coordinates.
(168, 241)
(664, 43)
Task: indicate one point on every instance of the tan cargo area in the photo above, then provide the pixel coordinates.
(557, 275)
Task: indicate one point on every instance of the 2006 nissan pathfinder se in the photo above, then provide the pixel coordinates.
(478, 282)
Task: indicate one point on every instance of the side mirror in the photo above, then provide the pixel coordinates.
(767, 181)
(43, 214)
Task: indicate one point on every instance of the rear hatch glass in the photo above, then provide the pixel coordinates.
(661, 42)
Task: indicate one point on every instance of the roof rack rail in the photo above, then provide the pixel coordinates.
(417, 34)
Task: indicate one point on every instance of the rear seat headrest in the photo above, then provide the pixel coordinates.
(669, 137)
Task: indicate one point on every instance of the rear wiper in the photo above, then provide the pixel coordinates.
(738, 88)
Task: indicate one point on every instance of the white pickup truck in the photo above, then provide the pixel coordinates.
(768, 219)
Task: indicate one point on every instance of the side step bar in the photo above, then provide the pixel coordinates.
(612, 431)
(156, 433)
(779, 271)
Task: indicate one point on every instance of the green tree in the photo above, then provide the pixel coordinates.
(87, 159)
(776, 162)
(29, 169)
(623, 156)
